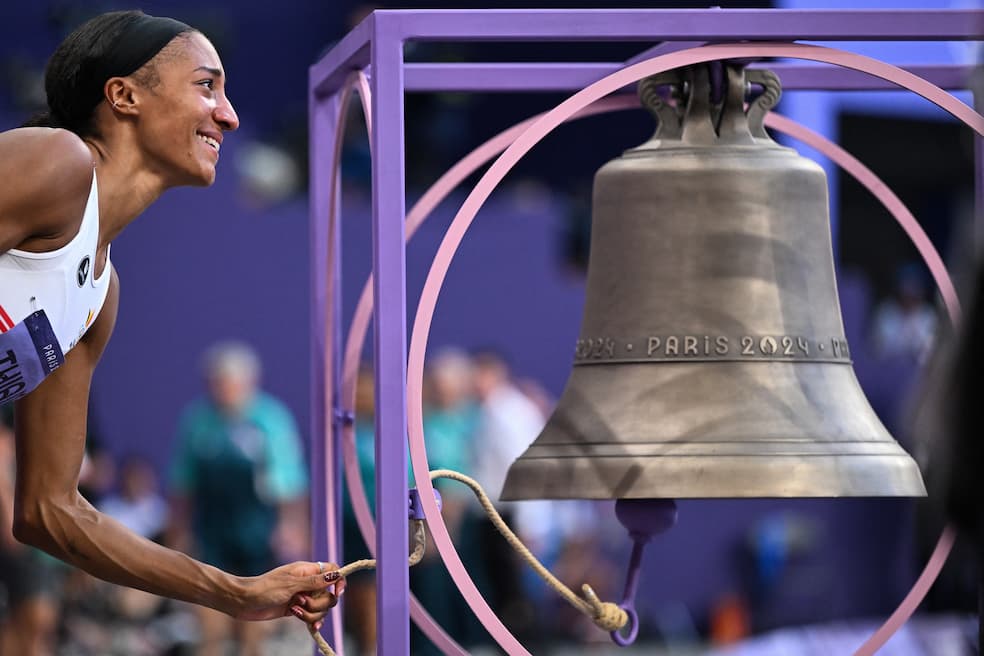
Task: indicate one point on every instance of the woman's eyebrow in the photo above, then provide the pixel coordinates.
(217, 72)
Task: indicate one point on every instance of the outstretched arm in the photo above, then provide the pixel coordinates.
(51, 514)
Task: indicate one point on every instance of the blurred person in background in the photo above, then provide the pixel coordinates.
(360, 593)
(137, 503)
(450, 416)
(238, 482)
(450, 412)
(103, 618)
(29, 579)
(904, 324)
(507, 423)
(950, 430)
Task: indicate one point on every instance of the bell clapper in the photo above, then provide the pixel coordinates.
(643, 518)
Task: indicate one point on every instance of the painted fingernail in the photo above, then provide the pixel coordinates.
(331, 577)
(317, 625)
(297, 611)
(301, 598)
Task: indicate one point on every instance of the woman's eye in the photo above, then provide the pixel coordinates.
(208, 83)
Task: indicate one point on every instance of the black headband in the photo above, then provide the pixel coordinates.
(140, 40)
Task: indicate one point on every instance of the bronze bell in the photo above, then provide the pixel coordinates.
(712, 360)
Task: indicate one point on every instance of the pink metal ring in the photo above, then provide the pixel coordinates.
(537, 131)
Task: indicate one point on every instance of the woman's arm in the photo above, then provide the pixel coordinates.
(52, 515)
(7, 541)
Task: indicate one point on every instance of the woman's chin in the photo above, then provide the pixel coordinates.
(204, 178)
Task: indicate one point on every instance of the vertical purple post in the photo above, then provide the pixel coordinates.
(325, 326)
(390, 337)
(977, 87)
(332, 467)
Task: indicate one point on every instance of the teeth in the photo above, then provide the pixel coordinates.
(210, 141)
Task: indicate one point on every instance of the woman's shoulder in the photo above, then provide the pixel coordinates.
(46, 152)
(48, 174)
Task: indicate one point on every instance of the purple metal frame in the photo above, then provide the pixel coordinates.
(376, 45)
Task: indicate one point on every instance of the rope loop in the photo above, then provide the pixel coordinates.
(605, 614)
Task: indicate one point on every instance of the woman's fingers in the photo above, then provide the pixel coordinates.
(320, 594)
(313, 616)
(312, 608)
(307, 582)
(320, 603)
(340, 587)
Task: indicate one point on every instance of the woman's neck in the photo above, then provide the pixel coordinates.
(126, 187)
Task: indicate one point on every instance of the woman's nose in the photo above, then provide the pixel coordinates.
(226, 116)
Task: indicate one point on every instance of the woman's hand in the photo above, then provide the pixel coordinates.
(301, 589)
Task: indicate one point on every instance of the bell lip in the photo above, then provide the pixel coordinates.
(824, 477)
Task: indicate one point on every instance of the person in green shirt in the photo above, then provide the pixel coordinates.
(238, 481)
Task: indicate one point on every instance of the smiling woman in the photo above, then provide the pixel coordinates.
(137, 105)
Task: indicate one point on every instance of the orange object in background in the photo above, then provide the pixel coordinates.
(729, 620)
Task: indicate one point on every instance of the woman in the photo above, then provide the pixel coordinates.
(139, 106)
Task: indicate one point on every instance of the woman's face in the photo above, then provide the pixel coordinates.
(186, 112)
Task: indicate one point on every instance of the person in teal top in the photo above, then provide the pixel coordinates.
(450, 415)
(239, 468)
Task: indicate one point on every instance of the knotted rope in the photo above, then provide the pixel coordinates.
(605, 614)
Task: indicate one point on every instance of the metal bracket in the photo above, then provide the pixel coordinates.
(416, 508)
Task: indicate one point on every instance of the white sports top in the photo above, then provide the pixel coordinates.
(60, 288)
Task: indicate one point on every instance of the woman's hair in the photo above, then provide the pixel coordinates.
(114, 44)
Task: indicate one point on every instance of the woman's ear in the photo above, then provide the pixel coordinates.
(122, 95)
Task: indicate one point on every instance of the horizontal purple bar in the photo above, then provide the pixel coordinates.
(573, 76)
(647, 25)
(352, 53)
(663, 48)
(504, 77)
(952, 77)
(687, 24)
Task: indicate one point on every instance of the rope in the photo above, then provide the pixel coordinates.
(419, 546)
(605, 614)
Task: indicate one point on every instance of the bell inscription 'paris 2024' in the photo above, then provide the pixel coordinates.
(712, 360)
